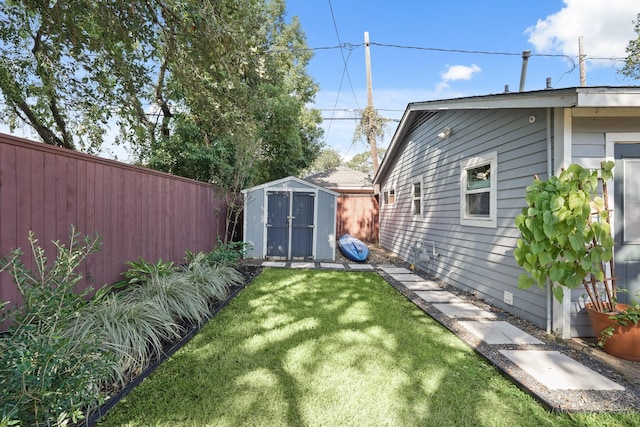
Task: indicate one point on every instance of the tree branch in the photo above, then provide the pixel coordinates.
(67, 140)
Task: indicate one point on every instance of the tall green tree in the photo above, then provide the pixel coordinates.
(328, 158)
(632, 62)
(67, 67)
(363, 162)
(214, 90)
(232, 68)
(289, 131)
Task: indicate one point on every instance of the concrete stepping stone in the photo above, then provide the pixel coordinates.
(274, 264)
(556, 371)
(303, 265)
(407, 277)
(331, 265)
(437, 296)
(395, 270)
(464, 311)
(499, 332)
(423, 285)
(361, 266)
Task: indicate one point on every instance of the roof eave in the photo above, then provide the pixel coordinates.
(589, 97)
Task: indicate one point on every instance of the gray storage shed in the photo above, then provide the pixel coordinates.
(290, 219)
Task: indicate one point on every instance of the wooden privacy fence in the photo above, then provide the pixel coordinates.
(358, 215)
(138, 212)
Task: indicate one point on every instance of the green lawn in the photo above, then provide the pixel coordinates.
(331, 348)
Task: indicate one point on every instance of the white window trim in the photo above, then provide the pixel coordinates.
(414, 198)
(490, 221)
(387, 203)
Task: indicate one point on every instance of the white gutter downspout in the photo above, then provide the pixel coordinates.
(549, 173)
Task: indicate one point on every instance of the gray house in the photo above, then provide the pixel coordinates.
(290, 219)
(454, 178)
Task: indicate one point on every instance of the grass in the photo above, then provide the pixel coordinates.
(328, 348)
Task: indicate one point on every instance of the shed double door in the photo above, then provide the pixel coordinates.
(290, 224)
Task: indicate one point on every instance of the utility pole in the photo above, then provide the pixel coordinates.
(581, 56)
(371, 133)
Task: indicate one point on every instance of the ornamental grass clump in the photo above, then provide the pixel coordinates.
(133, 329)
(566, 235)
(174, 294)
(214, 281)
(66, 352)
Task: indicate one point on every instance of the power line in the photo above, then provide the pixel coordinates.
(352, 46)
(357, 118)
(345, 70)
(351, 110)
(344, 60)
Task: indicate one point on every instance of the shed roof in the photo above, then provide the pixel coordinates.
(341, 178)
(591, 100)
(293, 180)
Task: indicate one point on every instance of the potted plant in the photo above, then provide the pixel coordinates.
(566, 240)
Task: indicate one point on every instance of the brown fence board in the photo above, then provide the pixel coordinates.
(358, 216)
(138, 212)
(7, 213)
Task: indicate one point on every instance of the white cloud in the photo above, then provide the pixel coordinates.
(606, 25)
(457, 72)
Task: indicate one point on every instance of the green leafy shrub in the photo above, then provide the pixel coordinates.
(560, 241)
(630, 316)
(46, 376)
(142, 271)
(224, 253)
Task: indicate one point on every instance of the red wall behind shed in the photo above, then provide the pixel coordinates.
(358, 216)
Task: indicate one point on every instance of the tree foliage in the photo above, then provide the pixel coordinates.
(371, 126)
(328, 158)
(631, 67)
(363, 162)
(64, 66)
(184, 80)
(213, 90)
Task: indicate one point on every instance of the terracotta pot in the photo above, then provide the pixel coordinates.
(625, 341)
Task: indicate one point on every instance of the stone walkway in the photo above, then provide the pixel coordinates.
(539, 367)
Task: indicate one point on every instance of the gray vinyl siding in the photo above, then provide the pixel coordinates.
(471, 258)
(588, 149)
(326, 227)
(253, 230)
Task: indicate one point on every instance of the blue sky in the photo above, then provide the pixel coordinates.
(404, 74)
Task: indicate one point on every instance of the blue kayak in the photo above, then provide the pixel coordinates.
(353, 248)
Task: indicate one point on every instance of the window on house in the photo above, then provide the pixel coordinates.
(389, 196)
(478, 182)
(417, 199)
